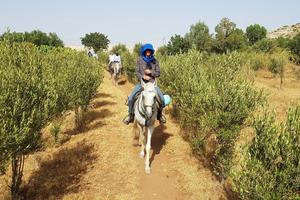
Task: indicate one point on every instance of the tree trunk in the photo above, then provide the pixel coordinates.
(79, 118)
(17, 173)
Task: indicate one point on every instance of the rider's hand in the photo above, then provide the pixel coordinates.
(146, 77)
(147, 71)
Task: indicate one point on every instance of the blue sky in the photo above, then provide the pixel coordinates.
(135, 21)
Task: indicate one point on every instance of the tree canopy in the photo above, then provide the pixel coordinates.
(36, 37)
(96, 40)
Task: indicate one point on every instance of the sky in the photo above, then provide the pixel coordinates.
(132, 21)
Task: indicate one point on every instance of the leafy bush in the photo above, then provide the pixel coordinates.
(199, 37)
(137, 49)
(265, 45)
(228, 38)
(295, 47)
(129, 63)
(128, 59)
(255, 33)
(162, 51)
(97, 41)
(259, 61)
(277, 63)
(36, 86)
(36, 37)
(211, 99)
(119, 48)
(271, 169)
(283, 42)
(177, 45)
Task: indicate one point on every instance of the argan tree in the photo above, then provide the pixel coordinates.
(97, 41)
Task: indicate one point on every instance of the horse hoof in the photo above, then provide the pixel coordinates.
(141, 155)
(148, 170)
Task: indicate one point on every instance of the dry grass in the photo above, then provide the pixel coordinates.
(279, 99)
(192, 175)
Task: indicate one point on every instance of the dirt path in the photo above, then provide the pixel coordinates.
(102, 161)
(175, 174)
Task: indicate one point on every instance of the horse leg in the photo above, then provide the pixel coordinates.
(142, 141)
(148, 149)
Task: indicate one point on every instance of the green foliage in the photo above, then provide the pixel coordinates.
(129, 63)
(162, 51)
(199, 37)
(36, 86)
(295, 46)
(224, 28)
(103, 57)
(210, 98)
(24, 105)
(283, 42)
(137, 49)
(236, 40)
(276, 65)
(177, 45)
(128, 60)
(228, 37)
(265, 45)
(259, 60)
(55, 131)
(97, 41)
(119, 48)
(36, 37)
(271, 169)
(255, 33)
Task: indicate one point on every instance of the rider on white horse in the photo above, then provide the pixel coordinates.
(147, 69)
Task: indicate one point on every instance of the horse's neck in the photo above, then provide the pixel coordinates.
(140, 105)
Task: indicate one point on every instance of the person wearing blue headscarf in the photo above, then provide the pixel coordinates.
(147, 69)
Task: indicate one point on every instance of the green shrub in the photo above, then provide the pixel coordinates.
(295, 47)
(210, 97)
(271, 169)
(265, 45)
(55, 131)
(129, 63)
(277, 63)
(37, 85)
(259, 61)
(36, 37)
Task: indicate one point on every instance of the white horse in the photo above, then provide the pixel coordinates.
(115, 72)
(145, 109)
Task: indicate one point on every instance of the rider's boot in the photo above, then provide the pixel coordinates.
(128, 119)
(162, 119)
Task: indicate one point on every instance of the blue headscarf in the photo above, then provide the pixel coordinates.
(144, 48)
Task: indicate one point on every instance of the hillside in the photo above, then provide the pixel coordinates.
(285, 31)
